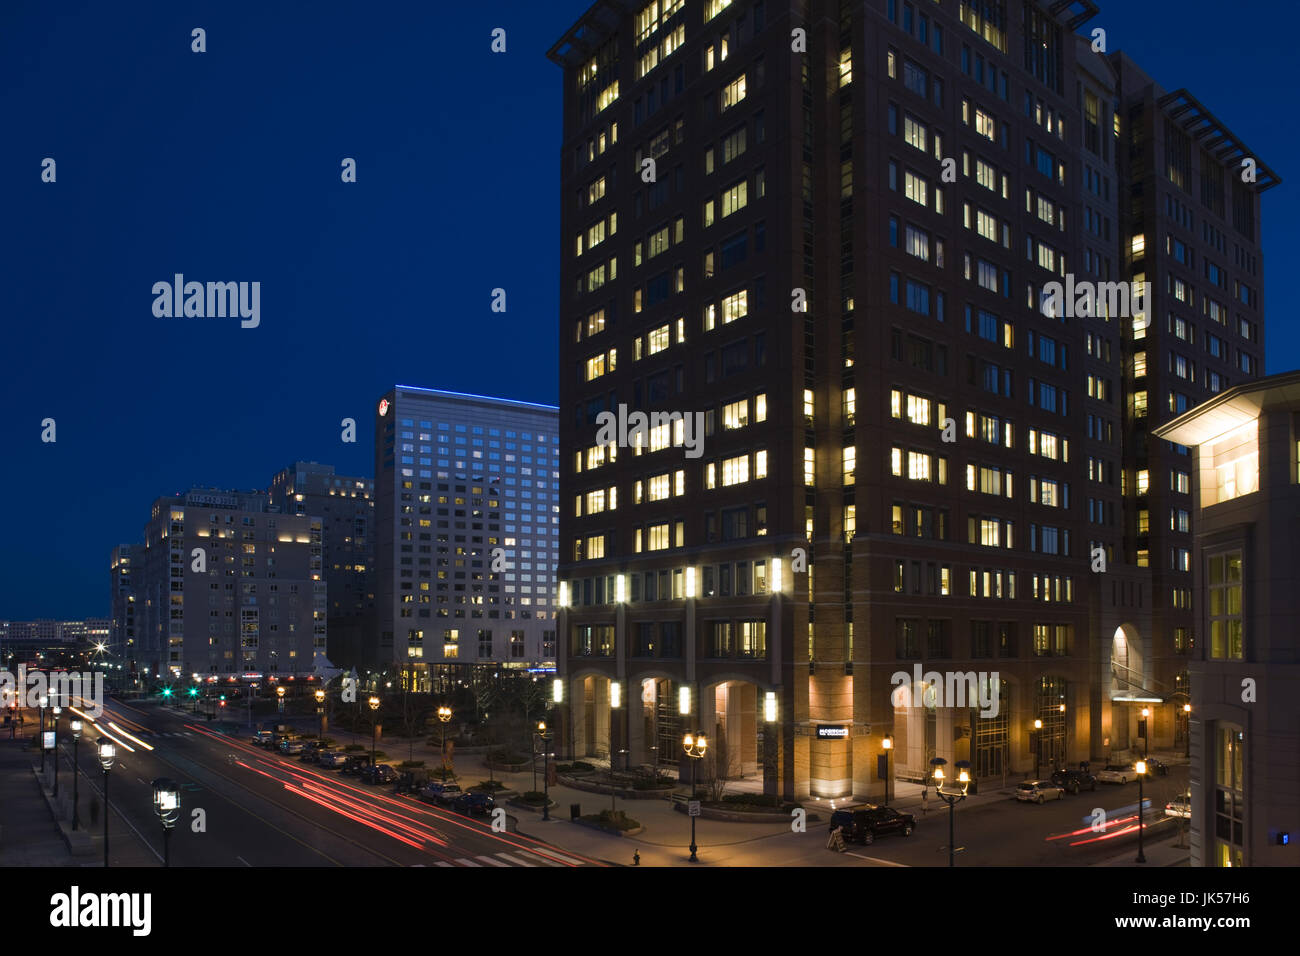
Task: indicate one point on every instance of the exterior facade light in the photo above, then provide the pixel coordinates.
(557, 691)
(769, 707)
(777, 581)
(615, 694)
(620, 588)
(563, 599)
(691, 591)
(683, 700)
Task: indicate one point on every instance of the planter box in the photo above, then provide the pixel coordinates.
(612, 831)
(529, 807)
(740, 816)
(592, 786)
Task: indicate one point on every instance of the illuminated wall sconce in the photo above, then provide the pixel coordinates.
(777, 583)
(769, 707)
(615, 694)
(557, 690)
(620, 588)
(690, 583)
(683, 700)
(564, 594)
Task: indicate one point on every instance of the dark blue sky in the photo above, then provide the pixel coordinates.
(225, 166)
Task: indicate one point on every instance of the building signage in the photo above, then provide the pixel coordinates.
(383, 407)
(220, 501)
(832, 731)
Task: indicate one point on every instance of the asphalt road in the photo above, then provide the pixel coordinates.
(242, 805)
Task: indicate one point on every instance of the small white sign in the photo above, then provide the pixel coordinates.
(693, 808)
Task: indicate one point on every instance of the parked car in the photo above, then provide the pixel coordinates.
(474, 803)
(355, 763)
(864, 824)
(262, 738)
(378, 774)
(291, 745)
(1180, 806)
(332, 759)
(1157, 767)
(311, 751)
(1074, 780)
(1117, 773)
(1039, 791)
(443, 793)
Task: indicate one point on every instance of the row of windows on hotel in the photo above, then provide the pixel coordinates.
(515, 646)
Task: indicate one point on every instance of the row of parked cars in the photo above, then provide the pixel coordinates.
(360, 766)
(1073, 781)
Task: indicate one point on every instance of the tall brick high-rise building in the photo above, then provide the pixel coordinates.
(847, 237)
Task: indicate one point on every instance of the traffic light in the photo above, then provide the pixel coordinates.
(194, 692)
(167, 691)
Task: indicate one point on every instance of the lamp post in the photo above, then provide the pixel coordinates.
(75, 726)
(888, 744)
(444, 716)
(279, 692)
(374, 726)
(1038, 747)
(57, 710)
(546, 769)
(107, 753)
(1146, 714)
(951, 797)
(167, 804)
(1187, 730)
(44, 701)
(1142, 773)
(320, 709)
(695, 747)
(1065, 739)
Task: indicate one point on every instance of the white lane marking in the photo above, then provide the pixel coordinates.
(543, 860)
(875, 859)
(515, 860)
(466, 861)
(442, 863)
(491, 862)
(549, 853)
(243, 861)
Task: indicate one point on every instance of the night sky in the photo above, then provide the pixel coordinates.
(225, 166)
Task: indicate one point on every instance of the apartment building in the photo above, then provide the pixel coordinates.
(835, 247)
(467, 519)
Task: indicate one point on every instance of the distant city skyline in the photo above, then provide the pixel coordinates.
(388, 279)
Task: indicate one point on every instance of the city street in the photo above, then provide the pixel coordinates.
(262, 809)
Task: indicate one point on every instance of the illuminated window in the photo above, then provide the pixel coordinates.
(1227, 636)
(850, 464)
(733, 92)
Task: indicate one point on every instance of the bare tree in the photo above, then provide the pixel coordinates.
(719, 771)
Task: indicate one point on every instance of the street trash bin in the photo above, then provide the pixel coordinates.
(575, 811)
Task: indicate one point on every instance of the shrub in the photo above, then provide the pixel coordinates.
(617, 819)
(535, 797)
(411, 764)
(652, 783)
(581, 766)
(489, 786)
(353, 748)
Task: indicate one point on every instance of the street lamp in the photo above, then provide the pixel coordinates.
(888, 744)
(167, 804)
(444, 716)
(1065, 738)
(1142, 774)
(374, 726)
(57, 710)
(279, 692)
(44, 701)
(107, 753)
(695, 747)
(75, 726)
(952, 797)
(546, 769)
(1146, 746)
(320, 709)
(1187, 730)
(1038, 747)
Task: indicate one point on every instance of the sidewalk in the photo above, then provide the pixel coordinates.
(28, 834)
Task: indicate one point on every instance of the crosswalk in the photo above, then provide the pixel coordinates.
(514, 858)
(168, 733)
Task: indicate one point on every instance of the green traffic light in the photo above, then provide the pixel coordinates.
(167, 691)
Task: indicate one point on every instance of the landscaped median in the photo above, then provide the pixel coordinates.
(531, 800)
(628, 785)
(744, 808)
(613, 822)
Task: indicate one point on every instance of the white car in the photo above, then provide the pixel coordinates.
(1179, 807)
(1117, 773)
(1039, 791)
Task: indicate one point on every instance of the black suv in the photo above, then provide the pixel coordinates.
(864, 824)
(1072, 781)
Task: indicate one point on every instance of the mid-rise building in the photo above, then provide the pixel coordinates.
(346, 508)
(227, 586)
(1245, 673)
(845, 238)
(122, 642)
(467, 522)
